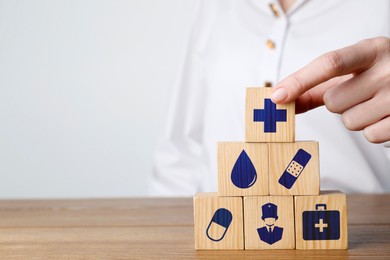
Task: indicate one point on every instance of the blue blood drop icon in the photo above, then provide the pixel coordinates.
(244, 173)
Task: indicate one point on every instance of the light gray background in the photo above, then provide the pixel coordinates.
(84, 89)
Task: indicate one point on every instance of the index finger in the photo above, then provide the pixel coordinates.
(336, 63)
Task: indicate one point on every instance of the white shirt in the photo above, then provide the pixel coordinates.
(227, 52)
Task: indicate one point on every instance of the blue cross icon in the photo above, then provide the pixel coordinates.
(269, 115)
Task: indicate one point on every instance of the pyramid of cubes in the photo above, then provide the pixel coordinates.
(269, 189)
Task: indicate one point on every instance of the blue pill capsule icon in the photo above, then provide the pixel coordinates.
(219, 224)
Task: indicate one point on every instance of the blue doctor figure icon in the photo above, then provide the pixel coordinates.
(270, 233)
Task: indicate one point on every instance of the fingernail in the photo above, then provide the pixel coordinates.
(279, 95)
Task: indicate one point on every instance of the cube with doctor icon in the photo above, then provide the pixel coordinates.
(269, 222)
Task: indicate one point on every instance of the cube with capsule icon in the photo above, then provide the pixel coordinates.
(218, 222)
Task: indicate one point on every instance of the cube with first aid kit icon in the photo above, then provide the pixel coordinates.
(266, 121)
(321, 221)
(218, 222)
(242, 169)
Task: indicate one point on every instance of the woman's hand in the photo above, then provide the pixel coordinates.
(353, 81)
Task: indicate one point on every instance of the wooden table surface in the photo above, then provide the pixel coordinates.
(155, 228)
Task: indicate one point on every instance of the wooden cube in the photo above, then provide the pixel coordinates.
(269, 222)
(294, 168)
(242, 169)
(321, 221)
(218, 222)
(265, 121)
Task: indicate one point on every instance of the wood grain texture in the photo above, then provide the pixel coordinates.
(254, 131)
(280, 156)
(232, 236)
(228, 153)
(96, 212)
(253, 221)
(156, 228)
(335, 201)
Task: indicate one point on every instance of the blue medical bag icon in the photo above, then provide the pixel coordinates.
(321, 224)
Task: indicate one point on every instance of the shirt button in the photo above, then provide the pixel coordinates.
(270, 44)
(274, 9)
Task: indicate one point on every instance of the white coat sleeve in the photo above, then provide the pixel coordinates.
(178, 161)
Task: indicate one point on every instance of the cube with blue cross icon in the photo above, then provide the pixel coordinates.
(266, 121)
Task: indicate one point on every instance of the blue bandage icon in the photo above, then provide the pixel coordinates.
(294, 168)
